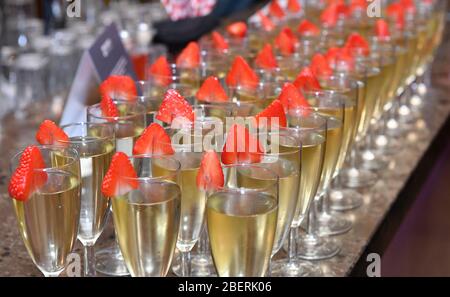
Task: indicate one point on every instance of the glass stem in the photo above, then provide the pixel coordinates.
(202, 248)
(310, 219)
(89, 260)
(185, 264)
(292, 244)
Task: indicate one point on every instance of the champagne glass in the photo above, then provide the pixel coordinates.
(48, 219)
(147, 219)
(128, 126)
(95, 144)
(242, 220)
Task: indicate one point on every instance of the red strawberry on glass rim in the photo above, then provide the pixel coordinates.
(241, 147)
(306, 28)
(356, 42)
(154, 141)
(210, 174)
(307, 81)
(276, 10)
(189, 56)
(241, 74)
(339, 59)
(161, 71)
(108, 108)
(119, 87)
(293, 6)
(26, 179)
(329, 16)
(120, 177)
(266, 58)
(274, 110)
(291, 98)
(174, 106)
(319, 66)
(211, 91)
(237, 29)
(395, 11)
(266, 22)
(219, 41)
(50, 133)
(286, 41)
(382, 29)
(408, 5)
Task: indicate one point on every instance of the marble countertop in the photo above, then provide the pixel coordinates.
(14, 135)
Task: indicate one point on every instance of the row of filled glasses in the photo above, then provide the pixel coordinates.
(352, 75)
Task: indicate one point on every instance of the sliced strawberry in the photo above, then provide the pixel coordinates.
(286, 41)
(291, 98)
(241, 147)
(274, 110)
(382, 29)
(319, 66)
(237, 29)
(339, 59)
(120, 177)
(212, 91)
(329, 16)
(266, 58)
(356, 41)
(241, 74)
(395, 10)
(210, 174)
(306, 28)
(25, 180)
(408, 5)
(50, 133)
(109, 109)
(293, 6)
(189, 56)
(266, 22)
(174, 106)
(276, 10)
(219, 41)
(161, 72)
(307, 81)
(119, 87)
(154, 141)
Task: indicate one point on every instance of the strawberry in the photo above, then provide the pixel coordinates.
(237, 29)
(50, 133)
(210, 174)
(408, 5)
(219, 42)
(189, 56)
(306, 28)
(329, 16)
(291, 98)
(109, 109)
(382, 29)
(174, 106)
(266, 22)
(276, 10)
(212, 91)
(161, 72)
(319, 66)
(395, 10)
(286, 41)
(119, 87)
(274, 110)
(25, 180)
(154, 141)
(266, 58)
(241, 74)
(356, 41)
(293, 6)
(306, 80)
(339, 59)
(241, 147)
(120, 177)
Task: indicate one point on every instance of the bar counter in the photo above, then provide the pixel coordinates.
(374, 223)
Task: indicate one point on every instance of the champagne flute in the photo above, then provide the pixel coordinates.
(147, 219)
(242, 221)
(48, 219)
(95, 144)
(128, 126)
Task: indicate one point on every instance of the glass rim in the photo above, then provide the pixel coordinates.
(298, 145)
(155, 157)
(118, 118)
(97, 139)
(74, 158)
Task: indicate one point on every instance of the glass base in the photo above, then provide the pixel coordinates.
(372, 161)
(109, 261)
(345, 199)
(311, 247)
(295, 268)
(329, 225)
(201, 265)
(358, 178)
